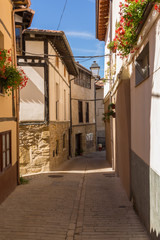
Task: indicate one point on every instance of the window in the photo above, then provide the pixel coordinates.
(5, 150)
(57, 147)
(80, 111)
(142, 66)
(64, 104)
(83, 79)
(64, 71)
(19, 39)
(57, 101)
(87, 112)
(64, 140)
(57, 61)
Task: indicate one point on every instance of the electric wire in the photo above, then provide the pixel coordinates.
(67, 56)
(62, 14)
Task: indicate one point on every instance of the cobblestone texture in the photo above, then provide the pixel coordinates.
(82, 200)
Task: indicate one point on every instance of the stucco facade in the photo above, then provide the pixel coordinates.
(84, 129)
(132, 136)
(9, 170)
(48, 93)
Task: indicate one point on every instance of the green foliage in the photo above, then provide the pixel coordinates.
(23, 180)
(131, 15)
(10, 76)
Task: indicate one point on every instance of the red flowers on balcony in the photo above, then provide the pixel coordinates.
(131, 15)
(10, 76)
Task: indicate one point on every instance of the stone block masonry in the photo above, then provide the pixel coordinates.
(34, 148)
(43, 147)
(59, 143)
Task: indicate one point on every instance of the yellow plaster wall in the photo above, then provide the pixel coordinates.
(84, 94)
(6, 101)
(56, 75)
(6, 31)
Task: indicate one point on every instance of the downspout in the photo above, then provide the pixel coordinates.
(17, 91)
(71, 116)
(110, 99)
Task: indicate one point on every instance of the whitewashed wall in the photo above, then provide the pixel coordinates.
(32, 96)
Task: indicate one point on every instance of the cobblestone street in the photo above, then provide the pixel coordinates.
(82, 200)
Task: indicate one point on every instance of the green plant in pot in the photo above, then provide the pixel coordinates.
(111, 106)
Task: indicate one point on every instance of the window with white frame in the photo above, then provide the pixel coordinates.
(142, 66)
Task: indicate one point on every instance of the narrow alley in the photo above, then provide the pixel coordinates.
(83, 199)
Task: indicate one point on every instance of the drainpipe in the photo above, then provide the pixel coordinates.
(71, 115)
(17, 91)
(110, 100)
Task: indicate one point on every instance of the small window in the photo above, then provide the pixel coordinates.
(57, 101)
(142, 66)
(80, 111)
(19, 39)
(57, 109)
(57, 147)
(57, 61)
(5, 150)
(64, 71)
(87, 112)
(64, 140)
(64, 104)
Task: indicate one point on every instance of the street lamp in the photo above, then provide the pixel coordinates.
(95, 70)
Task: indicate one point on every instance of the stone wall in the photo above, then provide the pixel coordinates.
(57, 132)
(34, 148)
(38, 146)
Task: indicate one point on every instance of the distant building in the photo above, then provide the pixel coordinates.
(45, 102)
(83, 128)
(100, 125)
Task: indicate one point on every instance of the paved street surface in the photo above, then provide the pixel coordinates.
(82, 200)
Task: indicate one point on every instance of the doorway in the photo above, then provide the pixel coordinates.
(78, 144)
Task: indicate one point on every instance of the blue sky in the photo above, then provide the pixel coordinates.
(78, 23)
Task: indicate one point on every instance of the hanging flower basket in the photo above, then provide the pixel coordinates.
(109, 114)
(131, 16)
(10, 77)
(111, 106)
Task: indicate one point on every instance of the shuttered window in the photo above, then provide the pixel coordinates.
(5, 150)
(80, 111)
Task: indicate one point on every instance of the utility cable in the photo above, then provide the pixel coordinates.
(62, 14)
(67, 56)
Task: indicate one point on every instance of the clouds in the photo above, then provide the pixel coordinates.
(76, 34)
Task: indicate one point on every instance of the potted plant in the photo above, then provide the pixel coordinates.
(111, 106)
(11, 78)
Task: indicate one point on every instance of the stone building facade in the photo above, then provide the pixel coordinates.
(83, 113)
(45, 102)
